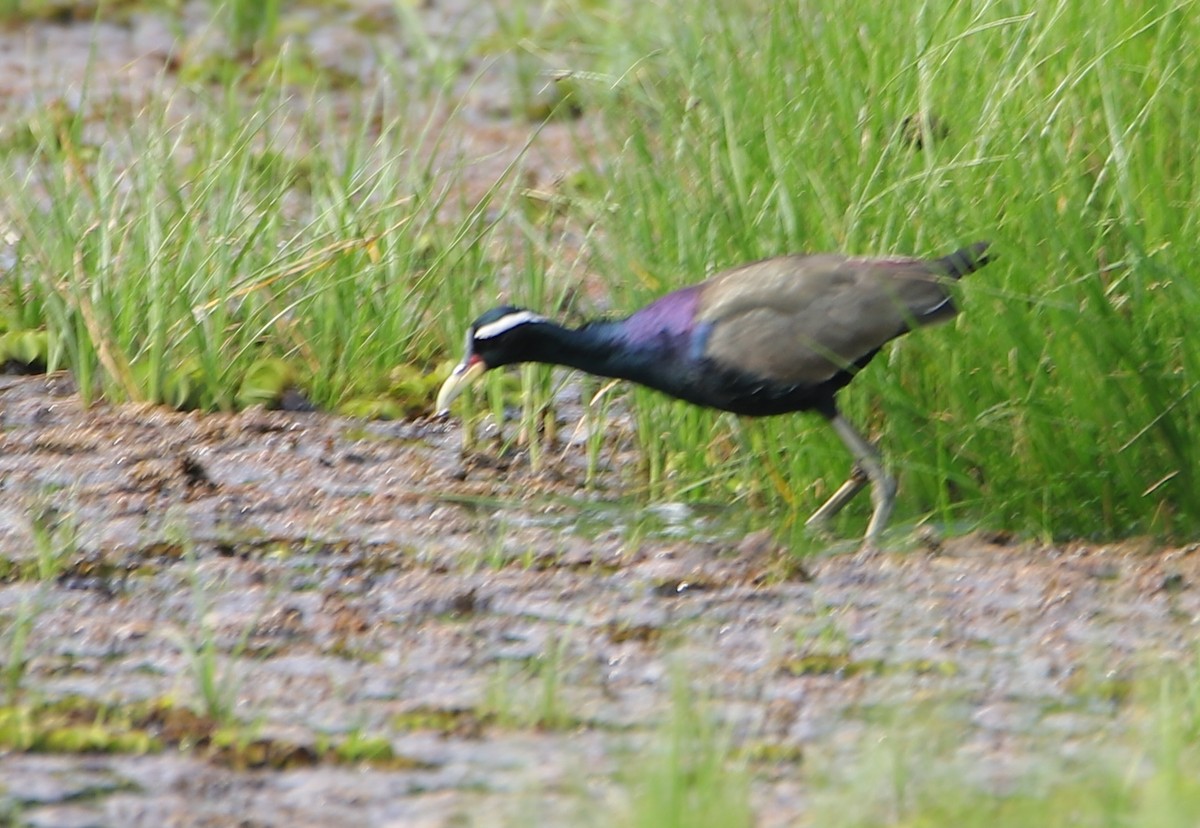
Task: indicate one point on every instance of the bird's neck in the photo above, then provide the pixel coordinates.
(598, 348)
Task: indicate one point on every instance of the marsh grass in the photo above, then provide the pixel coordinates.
(14, 643)
(530, 695)
(217, 673)
(1060, 402)
(216, 676)
(244, 237)
(915, 772)
(250, 25)
(912, 769)
(55, 535)
(689, 774)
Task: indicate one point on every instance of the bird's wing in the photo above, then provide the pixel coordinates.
(802, 319)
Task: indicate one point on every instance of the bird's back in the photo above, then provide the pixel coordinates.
(804, 319)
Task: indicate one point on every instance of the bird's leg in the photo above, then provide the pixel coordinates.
(883, 485)
(845, 493)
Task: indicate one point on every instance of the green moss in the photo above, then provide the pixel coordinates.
(293, 66)
(26, 350)
(13, 570)
(839, 664)
(366, 408)
(620, 632)
(264, 382)
(13, 12)
(453, 721)
(409, 390)
(239, 749)
(75, 725)
(775, 753)
(1100, 686)
(374, 750)
(844, 666)
(78, 725)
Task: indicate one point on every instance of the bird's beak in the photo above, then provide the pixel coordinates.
(470, 369)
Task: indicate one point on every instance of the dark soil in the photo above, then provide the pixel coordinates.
(357, 580)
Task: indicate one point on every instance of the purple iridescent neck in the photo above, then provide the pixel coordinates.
(636, 348)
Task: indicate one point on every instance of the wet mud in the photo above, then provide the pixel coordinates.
(396, 635)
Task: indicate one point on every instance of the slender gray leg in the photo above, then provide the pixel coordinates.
(867, 467)
(834, 505)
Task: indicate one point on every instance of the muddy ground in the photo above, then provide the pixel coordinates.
(398, 635)
(514, 642)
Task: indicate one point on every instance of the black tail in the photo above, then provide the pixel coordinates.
(965, 260)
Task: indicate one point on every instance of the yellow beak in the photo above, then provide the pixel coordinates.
(466, 373)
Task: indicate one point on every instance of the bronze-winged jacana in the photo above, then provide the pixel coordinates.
(780, 335)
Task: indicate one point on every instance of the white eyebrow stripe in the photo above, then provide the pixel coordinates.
(507, 323)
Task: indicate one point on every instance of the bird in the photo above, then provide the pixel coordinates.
(776, 336)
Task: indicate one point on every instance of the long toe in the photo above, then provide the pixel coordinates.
(869, 550)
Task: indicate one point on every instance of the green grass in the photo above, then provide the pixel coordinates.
(689, 776)
(242, 242)
(1139, 774)
(54, 535)
(1061, 402)
(254, 249)
(530, 695)
(910, 769)
(216, 675)
(250, 25)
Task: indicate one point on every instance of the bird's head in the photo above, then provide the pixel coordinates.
(498, 337)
